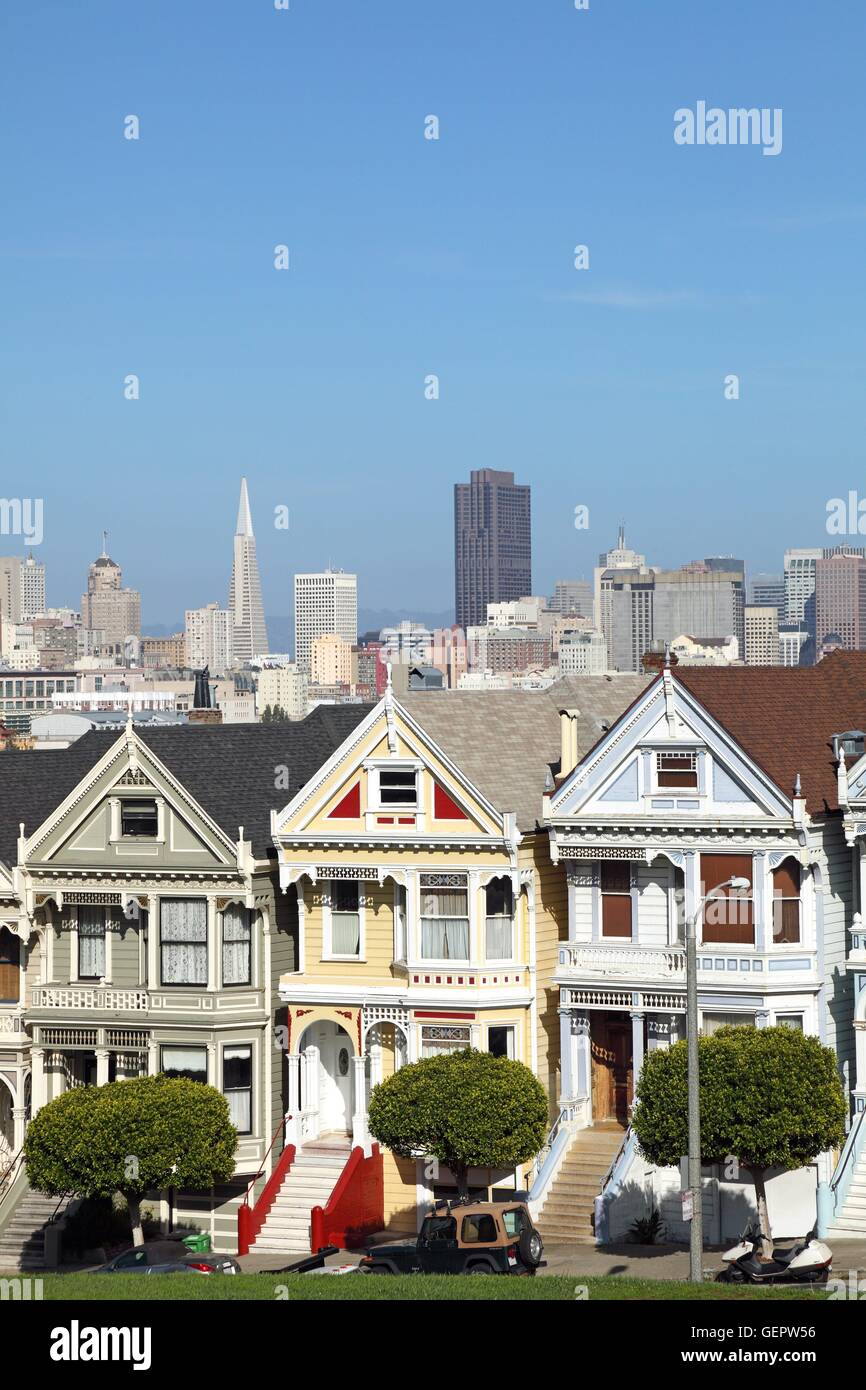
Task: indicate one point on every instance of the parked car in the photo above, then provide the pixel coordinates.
(167, 1257)
(465, 1238)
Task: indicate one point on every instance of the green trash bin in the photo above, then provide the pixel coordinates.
(199, 1244)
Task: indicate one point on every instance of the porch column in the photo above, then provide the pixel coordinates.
(293, 1093)
(637, 1043)
(310, 1093)
(359, 1116)
(567, 1077)
(19, 1123)
(152, 941)
(860, 1055)
(102, 1055)
(212, 944)
(38, 1095)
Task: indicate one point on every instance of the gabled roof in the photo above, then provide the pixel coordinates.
(506, 741)
(784, 717)
(232, 770)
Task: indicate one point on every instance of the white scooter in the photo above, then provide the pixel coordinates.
(808, 1261)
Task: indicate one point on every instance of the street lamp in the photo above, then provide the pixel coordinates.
(696, 1233)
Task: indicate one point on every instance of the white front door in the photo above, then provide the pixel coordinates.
(335, 1079)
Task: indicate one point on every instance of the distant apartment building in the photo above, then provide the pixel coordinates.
(324, 603)
(572, 596)
(209, 638)
(521, 612)
(793, 637)
(709, 651)
(371, 669)
(507, 649)
(282, 687)
(109, 608)
(762, 635)
(583, 653)
(25, 694)
(492, 543)
(32, 587)
(331, 660)
(768, 591)
(10, 588)
(164, 653)
(840, 599)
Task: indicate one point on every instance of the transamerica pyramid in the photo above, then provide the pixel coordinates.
(245, 591)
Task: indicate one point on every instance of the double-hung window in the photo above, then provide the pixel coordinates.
(189, 1062)
(398, 787)
(786, 903)
(676, 769)
(728, 916)
(444, 917)
(139, 819)
(183, 941)
(238, 1086)
(615, 884)
(237, 942)
(10, 972)
(499, 931)
(91, 943)
(345, 917)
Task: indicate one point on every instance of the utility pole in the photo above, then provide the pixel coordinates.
(696, 1229)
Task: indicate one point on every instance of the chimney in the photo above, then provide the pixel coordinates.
(568, 741)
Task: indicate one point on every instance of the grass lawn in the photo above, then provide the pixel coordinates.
(267, 1287)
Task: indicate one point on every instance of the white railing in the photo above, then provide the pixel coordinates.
(76, 997)
(11, 1023)
(639, 962)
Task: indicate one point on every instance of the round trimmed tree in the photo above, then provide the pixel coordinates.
(131, 1137)
(467, 1109)
(770, 1098)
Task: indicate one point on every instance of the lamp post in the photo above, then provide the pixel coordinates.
(696, 1231)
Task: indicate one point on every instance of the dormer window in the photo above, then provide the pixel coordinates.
(677, 769)
(398, 787)
(139, 819)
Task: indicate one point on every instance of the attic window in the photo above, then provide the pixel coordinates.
(398, 787)
(677, 769)
(139, 819)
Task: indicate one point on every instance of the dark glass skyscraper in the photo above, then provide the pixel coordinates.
(492, 544)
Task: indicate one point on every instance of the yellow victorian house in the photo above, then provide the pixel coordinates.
(428, 913)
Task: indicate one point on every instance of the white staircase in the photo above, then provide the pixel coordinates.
(308, 1183)
(851, 1221)
(22, 1240)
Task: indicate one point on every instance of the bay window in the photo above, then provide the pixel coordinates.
(437, 1038)
(190, 1062)
(499, 934)
(786, 903)
(91, 943)
(10, 973)
(444, 917)
(183, 941)
(237, 943)
(615, 882)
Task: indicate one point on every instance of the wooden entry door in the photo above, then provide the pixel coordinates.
(612, 1075)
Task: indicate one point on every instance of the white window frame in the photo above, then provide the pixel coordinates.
(515, 897)
(512, 1028)
(374, 792)
(249, 1045)
(446, 962)
(749, 1017)
(401, 956)
(328, 952)
(659, 789)
(251, 983)
(459, 1044)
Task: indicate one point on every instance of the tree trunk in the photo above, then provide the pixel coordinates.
(135, 1220)
(461, 1177)
(763, 1213)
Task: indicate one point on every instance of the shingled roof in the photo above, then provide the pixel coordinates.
(230, 770)
(785, 717)
(506, 741)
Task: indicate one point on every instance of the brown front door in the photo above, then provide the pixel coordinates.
(612, 1078)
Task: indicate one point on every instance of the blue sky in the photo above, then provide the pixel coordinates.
(408, 257)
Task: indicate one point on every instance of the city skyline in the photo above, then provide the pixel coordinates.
(411, 257)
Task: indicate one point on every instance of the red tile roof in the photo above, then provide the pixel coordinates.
(784, 717)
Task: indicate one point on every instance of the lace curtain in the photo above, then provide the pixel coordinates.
(91, 943)
(237, 936)
(183, 941)
(444, 924)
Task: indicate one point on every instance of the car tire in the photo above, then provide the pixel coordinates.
(477, 1269)
(378, 1269)
(531, 1247)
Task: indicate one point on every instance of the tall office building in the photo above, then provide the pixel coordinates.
(572, 596)
(625, 608)
(32, 587)
(703, 599)
(492, 543)
(762, 635)
(840, 598)
(107, 607)
(324, 603)
(249, 637)
(793, 638)
(800, 585)
(209, 638)
(10, 588)
(768, 591)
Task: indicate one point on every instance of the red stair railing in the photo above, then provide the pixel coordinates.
(355, 1209)
(252, 1218)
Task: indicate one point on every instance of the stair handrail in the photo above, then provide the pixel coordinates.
(246, 1197)
(626, 1140)
(9, 1178)
(543, 1153)
(851, 1149)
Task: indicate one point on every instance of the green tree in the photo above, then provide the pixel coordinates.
(268, 715)
(467, 1109)
(131, 1137)
(770, 1098)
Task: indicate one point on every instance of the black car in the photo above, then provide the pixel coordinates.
(465, 1238)
(167, 1257)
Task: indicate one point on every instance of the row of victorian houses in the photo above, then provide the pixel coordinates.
(292, 912)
